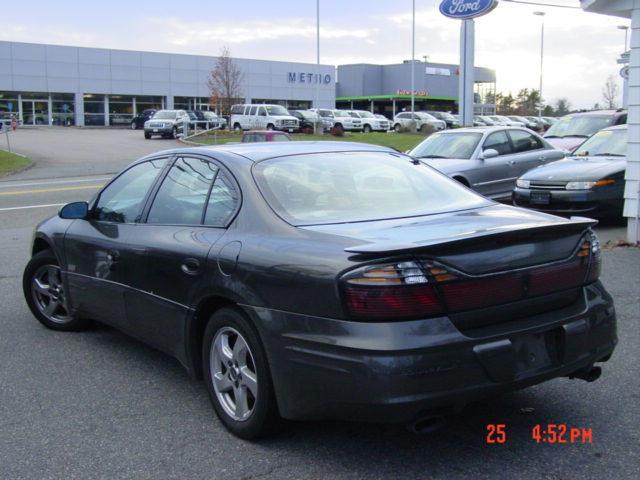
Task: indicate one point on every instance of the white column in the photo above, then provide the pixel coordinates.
(465, 85)
(50, 107)
(632, 176)
(371, 106)
(20, 117)
(135, 108)
(78, 109)
(106, 110)
(393, 107)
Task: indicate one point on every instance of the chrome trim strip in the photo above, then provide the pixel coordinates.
(129, 288)
(496, 181)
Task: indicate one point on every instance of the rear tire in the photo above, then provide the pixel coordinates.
(45, 293)
(397, 127)
(237, 127)
(233, 357)
(134, 126)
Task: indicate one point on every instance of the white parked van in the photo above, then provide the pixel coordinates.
(262, 117)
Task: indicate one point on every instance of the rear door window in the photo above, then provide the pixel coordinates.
(498, 141)
(183, 194)
(223, 201)
(524, 141)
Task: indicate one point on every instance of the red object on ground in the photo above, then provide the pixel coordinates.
(14, 123)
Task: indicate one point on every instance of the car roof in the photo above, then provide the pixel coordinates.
(598, 113)
(617, 127)
(257, 152)
(481, 129)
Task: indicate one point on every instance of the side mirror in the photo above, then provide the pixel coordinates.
(489, 153)
(74, 211)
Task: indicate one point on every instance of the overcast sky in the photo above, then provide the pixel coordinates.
(580, 48)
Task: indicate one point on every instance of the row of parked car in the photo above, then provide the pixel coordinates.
(577, 168)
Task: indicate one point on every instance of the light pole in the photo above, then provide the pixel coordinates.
(626, 32)
(426, 58)
(541, 15)
(317, 124)
(413, 57)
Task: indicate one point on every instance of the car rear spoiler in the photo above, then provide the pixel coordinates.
(574, 224)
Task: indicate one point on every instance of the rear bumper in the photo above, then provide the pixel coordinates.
(397, 372)
(591, 202)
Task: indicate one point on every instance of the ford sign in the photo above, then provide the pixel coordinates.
(465, 9)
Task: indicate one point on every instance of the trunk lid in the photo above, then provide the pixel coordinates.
(478, 241)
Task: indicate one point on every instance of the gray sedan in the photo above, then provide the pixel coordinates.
(486, 159)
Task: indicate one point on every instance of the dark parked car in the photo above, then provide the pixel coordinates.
(305, 119)
(571, 130)
(486, 159)
(448, 118)
(589, 182)
(138, 121)
(326, 280)
(265, 136)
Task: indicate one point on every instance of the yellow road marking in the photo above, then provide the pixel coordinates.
(45, 190)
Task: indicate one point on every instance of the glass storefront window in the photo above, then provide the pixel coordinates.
(63, 108)
(8, 104)
(93, 109)
(148, 103)
(120, 109)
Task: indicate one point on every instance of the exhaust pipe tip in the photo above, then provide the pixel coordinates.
(428, 424)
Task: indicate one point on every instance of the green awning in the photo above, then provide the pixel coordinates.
(393, 97)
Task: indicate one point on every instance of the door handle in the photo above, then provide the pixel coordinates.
(511, 162)
(190, 266)
(112, 258)
(542, 158)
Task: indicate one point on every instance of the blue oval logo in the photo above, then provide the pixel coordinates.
(465, 9)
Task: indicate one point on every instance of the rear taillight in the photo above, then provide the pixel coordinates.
(392, 290)
(595, 257)
(426, 288)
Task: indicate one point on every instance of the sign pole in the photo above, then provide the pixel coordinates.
(466, 80)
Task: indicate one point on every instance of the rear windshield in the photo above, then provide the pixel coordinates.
(341, 187)
(579, 125)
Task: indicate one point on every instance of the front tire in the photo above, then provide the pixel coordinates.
(147, 135)
(45, 293)
(397, 127)
(134, 126)
(270, 126)
(367, 129)
(237, 375)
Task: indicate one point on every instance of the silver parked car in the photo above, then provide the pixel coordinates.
(404, 119)
(486, 159)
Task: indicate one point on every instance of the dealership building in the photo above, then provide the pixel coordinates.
(386, 89)
(58, 85)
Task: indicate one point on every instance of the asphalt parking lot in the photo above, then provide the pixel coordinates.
(98, 404)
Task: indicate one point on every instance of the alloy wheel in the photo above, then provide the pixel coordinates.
(233, 374)
(48, 294)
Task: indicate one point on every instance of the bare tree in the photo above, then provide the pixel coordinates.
(224, 82)
(610, 92)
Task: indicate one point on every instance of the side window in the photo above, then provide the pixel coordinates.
(253, 110)
(183, 193)
(223, 201)
(524, 141)
(262, 112)
(237, 110)
(498, 141)
(122, 200)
